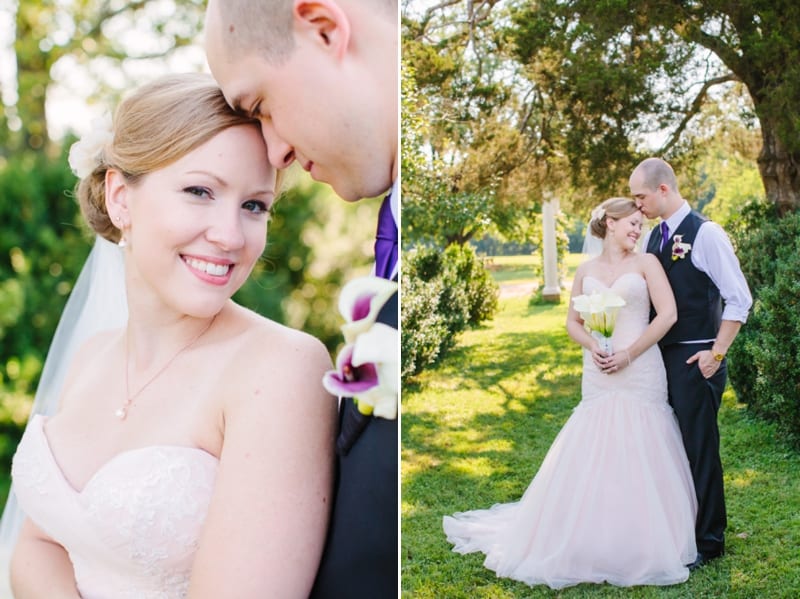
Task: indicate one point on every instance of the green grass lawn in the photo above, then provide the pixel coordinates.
(519, 269)
(475, 429)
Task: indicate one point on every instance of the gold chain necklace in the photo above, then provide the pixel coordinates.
(122, 412)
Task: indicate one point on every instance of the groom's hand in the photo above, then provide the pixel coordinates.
(705, 362)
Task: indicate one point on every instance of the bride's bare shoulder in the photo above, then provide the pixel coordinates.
(260, 344)
(647, 261)
(587, 267)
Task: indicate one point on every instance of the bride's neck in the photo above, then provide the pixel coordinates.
(615, 254)
(150, 341)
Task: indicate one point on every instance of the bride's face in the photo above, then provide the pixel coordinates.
(628, 229)
(198, 225)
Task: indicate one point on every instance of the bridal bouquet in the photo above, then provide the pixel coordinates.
(367, 366)
(599, 313)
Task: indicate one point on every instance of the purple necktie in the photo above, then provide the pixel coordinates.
(386, 241)
(664, 235)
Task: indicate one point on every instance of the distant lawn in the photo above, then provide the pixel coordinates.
(475, 429)
(520, 269)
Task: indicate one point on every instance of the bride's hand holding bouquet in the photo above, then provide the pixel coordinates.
(598, 311)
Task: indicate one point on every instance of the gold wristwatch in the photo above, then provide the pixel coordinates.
(717, 357)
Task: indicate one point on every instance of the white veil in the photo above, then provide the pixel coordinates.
(97, 303)
(593, 246)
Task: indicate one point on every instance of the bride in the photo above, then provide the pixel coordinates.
(191, 451)
(613, 500)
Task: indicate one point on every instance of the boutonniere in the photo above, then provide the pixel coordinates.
(367, 366)
(680, 249)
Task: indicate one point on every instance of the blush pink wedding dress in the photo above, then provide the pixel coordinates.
(133, 530)
(613, 500)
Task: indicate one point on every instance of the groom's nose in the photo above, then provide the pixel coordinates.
(280, 153)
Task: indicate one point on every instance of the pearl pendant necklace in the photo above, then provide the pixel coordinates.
(122, 411)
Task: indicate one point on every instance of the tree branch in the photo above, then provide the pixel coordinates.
(444, 4)
(727, 54)
(694, 109)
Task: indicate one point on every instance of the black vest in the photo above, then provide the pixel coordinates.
(698, 299)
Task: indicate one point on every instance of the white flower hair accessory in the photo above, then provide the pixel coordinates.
(87, 153)
(598, 213)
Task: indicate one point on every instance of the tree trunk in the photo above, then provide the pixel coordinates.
(33, 75)
(780, 171)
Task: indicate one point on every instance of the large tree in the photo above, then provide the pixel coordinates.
(590, 87)
(632, 66)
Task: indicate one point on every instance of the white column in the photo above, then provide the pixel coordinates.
(551, 291)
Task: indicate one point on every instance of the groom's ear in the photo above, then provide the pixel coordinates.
(326, 24)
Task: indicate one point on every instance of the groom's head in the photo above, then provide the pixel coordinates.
(321, 76)
(654, 188)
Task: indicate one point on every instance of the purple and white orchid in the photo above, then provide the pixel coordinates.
(367, 366)
(360, 301)
(679, 249)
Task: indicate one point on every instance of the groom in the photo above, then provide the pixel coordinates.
(322, 77)
(713, 301)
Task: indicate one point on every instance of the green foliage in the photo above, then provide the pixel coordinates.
(765, 360)
(412, 124)
(480, 290)
(626, 70)
(474, 169)
(444, 293)
(423, 325)
(555, 94)
(42, 248)
(442, 217)
(436, 209)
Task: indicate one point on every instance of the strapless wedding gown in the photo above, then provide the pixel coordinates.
(133, 530)
(613, 499)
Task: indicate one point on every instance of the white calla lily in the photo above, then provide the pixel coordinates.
(599, 310)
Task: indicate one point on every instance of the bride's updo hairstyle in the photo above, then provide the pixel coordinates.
(615, 208)
(158, 124)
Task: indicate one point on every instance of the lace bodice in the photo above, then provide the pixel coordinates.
(133, 530)
(645, 380)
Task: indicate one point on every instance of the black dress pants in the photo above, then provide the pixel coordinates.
(696, 402)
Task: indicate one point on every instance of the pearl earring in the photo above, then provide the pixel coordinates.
(122, 241)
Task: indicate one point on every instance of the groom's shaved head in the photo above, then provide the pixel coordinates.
(246, 26)
(266, 26)
(656, 171)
